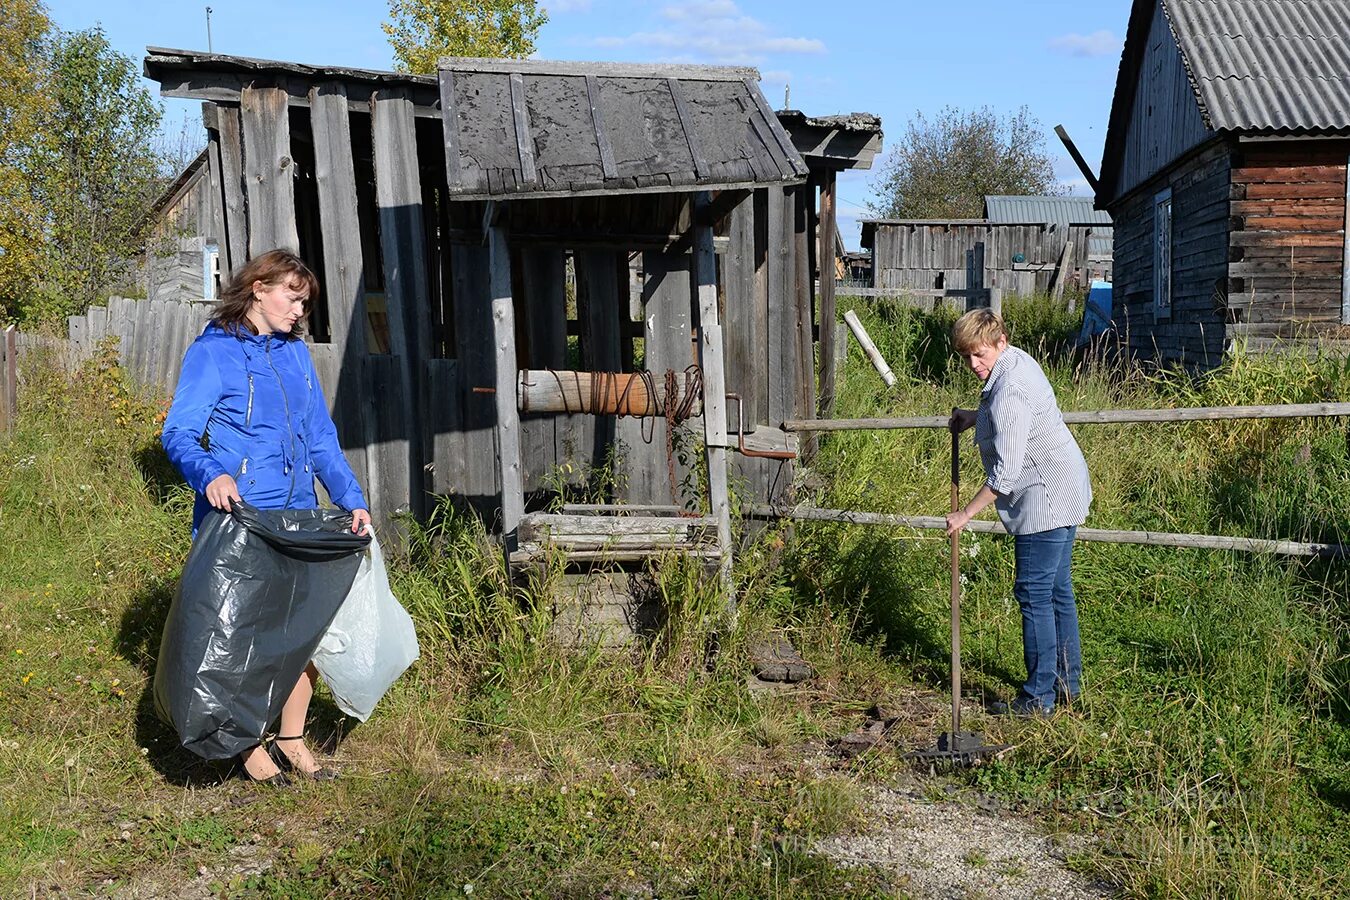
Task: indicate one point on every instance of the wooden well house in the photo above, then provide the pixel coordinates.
(538, 273)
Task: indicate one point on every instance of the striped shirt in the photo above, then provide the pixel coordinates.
(1030, 457)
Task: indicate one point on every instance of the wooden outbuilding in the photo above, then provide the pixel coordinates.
(1225, 175)
(1023, 245)
(477, 236)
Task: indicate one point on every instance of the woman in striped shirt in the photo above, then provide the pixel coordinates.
(1038, 481)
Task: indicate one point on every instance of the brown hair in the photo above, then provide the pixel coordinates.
(978, 328)
(271, 268)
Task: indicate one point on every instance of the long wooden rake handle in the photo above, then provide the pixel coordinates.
(956, 590)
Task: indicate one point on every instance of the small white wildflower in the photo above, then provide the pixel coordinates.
(468, 889)
(70, 762)
(1219, 741)
(563, 789)
(655, 845)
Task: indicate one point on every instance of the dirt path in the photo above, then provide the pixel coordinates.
(953, 850)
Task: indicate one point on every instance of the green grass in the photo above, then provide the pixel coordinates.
(1212, 750)
(500, 761)
(1214, 746)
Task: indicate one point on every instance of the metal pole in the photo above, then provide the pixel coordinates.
(955, 742)
(208, 31)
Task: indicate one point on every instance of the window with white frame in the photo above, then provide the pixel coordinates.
(1162, 254)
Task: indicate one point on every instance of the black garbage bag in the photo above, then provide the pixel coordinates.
(259, 589)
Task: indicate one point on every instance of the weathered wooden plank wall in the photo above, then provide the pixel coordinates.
(410, 420)
(667, 307)
(1195, 333)
(269, 170)
(1165, 120)
(933, 256)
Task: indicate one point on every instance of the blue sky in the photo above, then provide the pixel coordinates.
(1057, 57)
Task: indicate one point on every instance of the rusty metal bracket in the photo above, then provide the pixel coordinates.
(740, 436)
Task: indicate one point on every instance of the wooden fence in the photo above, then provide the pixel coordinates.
(1019, 258)
(1087, 417)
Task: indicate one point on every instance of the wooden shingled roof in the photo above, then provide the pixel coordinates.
(533, 128)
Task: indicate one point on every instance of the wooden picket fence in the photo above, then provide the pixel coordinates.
(149, 336)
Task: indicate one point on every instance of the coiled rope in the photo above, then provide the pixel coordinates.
(683, 390)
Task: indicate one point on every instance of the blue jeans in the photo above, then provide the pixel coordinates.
(1044, 590)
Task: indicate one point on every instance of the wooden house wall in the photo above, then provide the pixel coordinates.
(403, 267)
(933, 256)
(1194, 334)
(1288, 239)
(1165, 120)
(174, 259)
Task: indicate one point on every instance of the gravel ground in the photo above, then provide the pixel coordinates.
(949, 850)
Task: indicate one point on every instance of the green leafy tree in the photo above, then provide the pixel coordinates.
(942, 168)
(422, 31)
(84, 172)
(25, 103)
(104, 169)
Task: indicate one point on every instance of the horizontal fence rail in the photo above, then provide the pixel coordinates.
(1089, 417)
(1097, 417)
(1099, 535)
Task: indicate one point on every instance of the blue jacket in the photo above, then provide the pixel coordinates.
(251, 406)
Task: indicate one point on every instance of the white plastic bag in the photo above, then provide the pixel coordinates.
(370, 642)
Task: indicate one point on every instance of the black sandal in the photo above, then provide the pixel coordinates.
(283, 761)
(279, 780)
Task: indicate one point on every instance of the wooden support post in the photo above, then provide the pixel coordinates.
(10, 375)
(710, 359)
(335, 175)
(804, 296)
(1345, 256)
(344, 278)
(398, 194)
(512, 491)
(1062, 270)
(216, 185)
(270, 179)
(870, 348)
(235, 238)
(828, 311)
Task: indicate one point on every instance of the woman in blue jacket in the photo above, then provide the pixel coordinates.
(249, 422)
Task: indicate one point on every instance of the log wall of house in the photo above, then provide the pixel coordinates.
(1288, 209)
(1194, 333)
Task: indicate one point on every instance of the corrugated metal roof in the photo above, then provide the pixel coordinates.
(1030, 208)
(1059, 211)
(1267, 65)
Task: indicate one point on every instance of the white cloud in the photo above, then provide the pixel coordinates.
(712, 31)
(1099, 43)
(567, 6)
